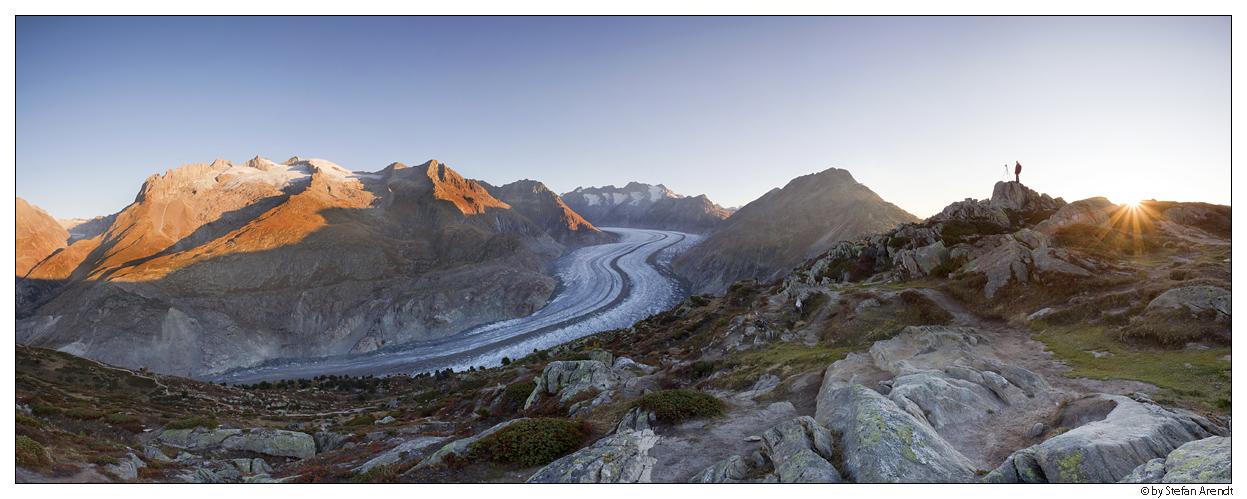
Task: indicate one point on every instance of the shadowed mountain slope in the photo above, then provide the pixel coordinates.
(773, 234)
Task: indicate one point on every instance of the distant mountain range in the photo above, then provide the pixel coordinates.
(216, 266)
(645, 206)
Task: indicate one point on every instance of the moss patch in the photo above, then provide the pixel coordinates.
(1195, 378)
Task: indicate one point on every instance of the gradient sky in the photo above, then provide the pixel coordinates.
(925, 111)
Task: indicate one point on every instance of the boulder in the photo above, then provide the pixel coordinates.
(939, 375)
(462, 446)
(127, 468)
(405, 452)
(1031, 239)
(1017, 197)
(806, 466)
(883, 443)
(922, 261)
(1200, 461)
(1093, 211)
(154, 453)
(800, 449)
(252, 466)
(1008, 262)
(971, 209)
(329, 441)
(602, 356)
(616, 458)
(1059, 261)
(270, 442)
(636, 419)
(730, 470)
(1194, 299)
(1103, 451)
(566, 379)
(625, 363)
(940, 399)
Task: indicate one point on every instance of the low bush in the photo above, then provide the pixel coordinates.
(84, 414)
(120, 418)
(40, 409)
(209, 421)
(106, 459)
(30, 454)
(959, 231)
(364, 419)
(28, 421)
(532, 442)
(676, 406)
(515, 395)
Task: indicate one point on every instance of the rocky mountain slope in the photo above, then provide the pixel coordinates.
(645, 206)
(218, 266)
(771, 235)
(1102, 355)
(38, 236)
(541, 205)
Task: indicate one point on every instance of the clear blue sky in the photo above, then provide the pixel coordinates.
(925, 111)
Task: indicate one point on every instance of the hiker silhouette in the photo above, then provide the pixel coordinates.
(1017, 173)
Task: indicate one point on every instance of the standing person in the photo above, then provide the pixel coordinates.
(1017, 173)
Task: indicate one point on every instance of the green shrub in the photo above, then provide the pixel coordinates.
(898, 242)
(668, 319)
(85, 414)
(29, 421)
(517, 394)
(106, 459)
(120, 418)
(40, 409)
(949, 266)
(30, 454)
(209, 421)
(532, 442)
(676, 406)
(698, 301)
(958, 231)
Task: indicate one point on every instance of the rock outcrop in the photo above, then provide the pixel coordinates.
(461, 446)
(266, 441)
(886, 444)
(1195, 300)
(1104, 451)
(1092, 211)
(765, 239)
(801, 450)
(647, 207)
(1200, 461)
(939, 375)
(566, 379)
(1022, 257)
(621, 457)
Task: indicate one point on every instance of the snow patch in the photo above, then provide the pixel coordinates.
(277, 175)
(619, 197)
(655, 193)
(592, 199)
